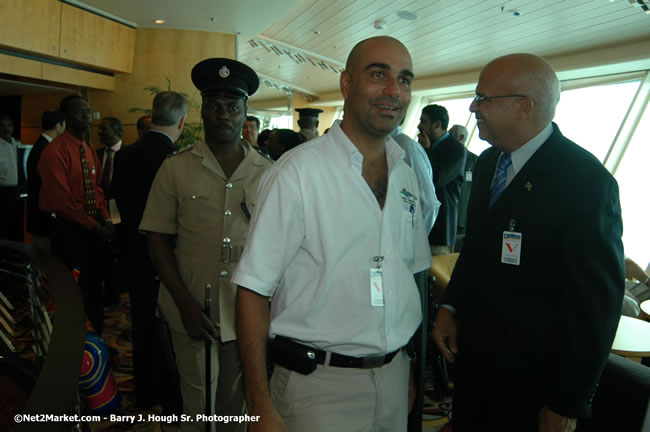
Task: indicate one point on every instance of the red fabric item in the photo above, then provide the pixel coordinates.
(63, 182)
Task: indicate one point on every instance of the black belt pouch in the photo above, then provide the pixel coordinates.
(292, 355)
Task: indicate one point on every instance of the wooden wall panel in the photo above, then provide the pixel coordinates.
(160, 53)
(31, 25)
(93, 40)
(77, 77)
(32, 107)
(19, 66)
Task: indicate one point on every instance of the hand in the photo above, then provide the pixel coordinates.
(110, 227)
(444, 334)
(269, 421)
(104, 232)
(196, 322)
(550, 421)
(423, 139)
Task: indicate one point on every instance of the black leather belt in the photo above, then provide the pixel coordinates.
(340, 360)
(288, 353)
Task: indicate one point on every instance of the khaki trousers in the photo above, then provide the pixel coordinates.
(333, 399)
(227, 382)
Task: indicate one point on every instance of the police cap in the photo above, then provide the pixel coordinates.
(308, 112)
(225, 77)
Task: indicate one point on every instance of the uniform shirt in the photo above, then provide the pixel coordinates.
(309, 134)
(315, 232)
(8, 162)
(62, 191)
(192, 199)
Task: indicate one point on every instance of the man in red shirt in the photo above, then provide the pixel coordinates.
(82, 229)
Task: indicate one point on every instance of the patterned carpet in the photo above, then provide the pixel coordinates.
(117, 335)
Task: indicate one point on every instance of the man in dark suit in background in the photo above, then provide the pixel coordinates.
(447, 157)
(135, 168)
(53, 124)
(536, 293)
(461, 135)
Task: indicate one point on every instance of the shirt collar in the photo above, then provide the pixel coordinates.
(117, 146)
(394, 152)
(439, 140)
(47, 137)
(520, 156)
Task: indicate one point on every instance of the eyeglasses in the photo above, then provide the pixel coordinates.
(480, 99)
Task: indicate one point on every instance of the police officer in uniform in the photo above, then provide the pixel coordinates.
(196, 220)
(308, 122)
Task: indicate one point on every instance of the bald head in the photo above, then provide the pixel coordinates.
(376, 87)
(357, 50)
(530, 75)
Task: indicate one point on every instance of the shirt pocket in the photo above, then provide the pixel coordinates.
(407, 223)
(198, 208)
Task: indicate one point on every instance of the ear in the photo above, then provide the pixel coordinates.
(526, 107)
(345, 83)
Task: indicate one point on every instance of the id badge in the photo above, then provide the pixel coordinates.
(511, 248)
(376, 287)
(468, 176)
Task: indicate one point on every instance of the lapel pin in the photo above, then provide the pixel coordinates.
(529, 186)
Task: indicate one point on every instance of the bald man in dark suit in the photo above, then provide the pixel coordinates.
(532, 307)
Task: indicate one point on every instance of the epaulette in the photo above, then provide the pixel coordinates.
(180, 150)
(260, 151)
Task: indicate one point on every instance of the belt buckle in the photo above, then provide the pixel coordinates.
(226, 253)
(372, 362)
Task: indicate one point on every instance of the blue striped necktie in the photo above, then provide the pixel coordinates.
(500, 178)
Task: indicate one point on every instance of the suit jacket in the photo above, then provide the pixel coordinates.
(134, 168)
(448, 164)
(37, 220)
(465, 191)
(544, 327)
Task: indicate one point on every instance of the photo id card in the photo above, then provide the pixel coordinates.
(511, 248)
(376, 287)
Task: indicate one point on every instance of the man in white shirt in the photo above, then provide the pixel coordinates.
(338, 261)
(8, 178)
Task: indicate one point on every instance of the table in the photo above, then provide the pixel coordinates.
(645, 310)
(632, 339)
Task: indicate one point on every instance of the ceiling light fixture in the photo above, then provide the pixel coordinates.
(159, 21)
(407, 15)
(316, 32)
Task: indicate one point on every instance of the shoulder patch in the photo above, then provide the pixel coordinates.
(181, 150)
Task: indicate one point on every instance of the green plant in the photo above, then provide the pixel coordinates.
(192, 131)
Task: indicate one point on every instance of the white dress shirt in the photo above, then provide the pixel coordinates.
(314, 234)
(9, 162)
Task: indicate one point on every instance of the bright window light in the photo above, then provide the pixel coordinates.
(591, 116)
(632, 178)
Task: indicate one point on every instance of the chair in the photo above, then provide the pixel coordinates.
(622, 401)
(440, 271)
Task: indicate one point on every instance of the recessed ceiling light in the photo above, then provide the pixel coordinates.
(515, 13)
(315, 31)
(159, 21)
(407, 15)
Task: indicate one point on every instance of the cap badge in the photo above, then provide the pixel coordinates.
(224, 72)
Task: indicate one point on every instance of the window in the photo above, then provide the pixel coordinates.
(633, 179)
(591, 116)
